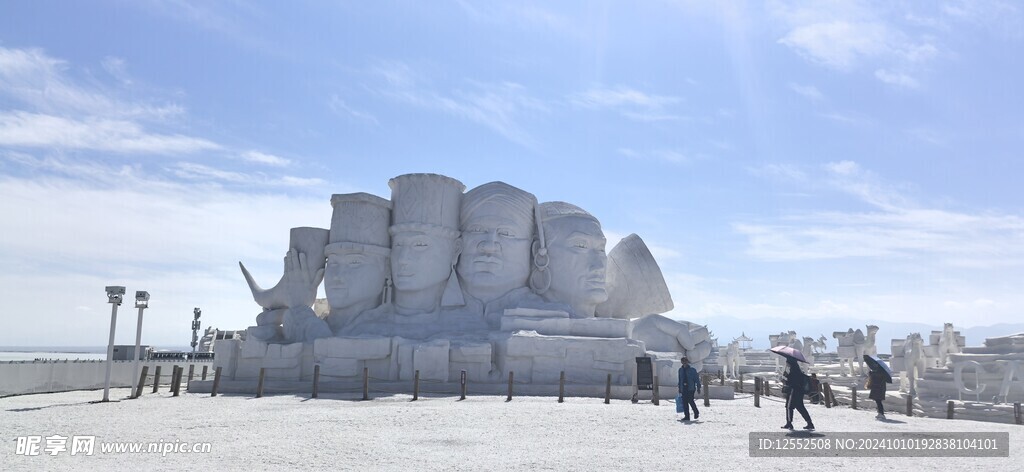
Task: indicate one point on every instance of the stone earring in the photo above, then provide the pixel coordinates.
(385, 296)
(453, 291)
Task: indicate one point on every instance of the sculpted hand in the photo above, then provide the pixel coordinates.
(300, 285)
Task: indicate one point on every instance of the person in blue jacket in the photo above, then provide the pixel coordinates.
(689, 382)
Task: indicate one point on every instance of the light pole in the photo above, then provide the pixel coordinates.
(195, 328)
(114, 295)
(141, 302)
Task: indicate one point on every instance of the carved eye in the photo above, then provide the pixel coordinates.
(579, 244)
(420, 244)
(506, 233)
(476, 230)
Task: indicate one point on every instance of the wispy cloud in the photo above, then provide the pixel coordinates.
(809, 92)
(896, 229)
(34, 130)
(848, 35)
(338, 105)
(503, 107)
(629, 102)
(670, 156)
(200, 172)
(896, 78)
(265, 159)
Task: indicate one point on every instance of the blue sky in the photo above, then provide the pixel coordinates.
(846, 160)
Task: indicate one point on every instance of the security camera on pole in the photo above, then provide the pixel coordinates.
(195, 328)
(114, 296)
(141, 302)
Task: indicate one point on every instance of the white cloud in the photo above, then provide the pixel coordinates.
(338, 105)
(842, 167)
(200, 172)
(33, 130)
(807, 91)
(838, 44)
(266, 159)
(670, 156)
(621, 96)
(896, 78)
(775, 171)
(503, 107)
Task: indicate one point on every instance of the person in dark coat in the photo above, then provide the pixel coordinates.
(689, 382)
(797, 381)
(876, 384)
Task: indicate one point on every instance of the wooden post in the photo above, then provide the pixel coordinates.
(608, 390)
(741, 383)
(654, 391)
(142, 381)
(259, 384)
(949, 410)
(757, 392)
(509, 386)
(561, 387)
(156, 379)
(1017, 413)
(204, 372)
(366, 383)
(853, 397)
(462, 380)
(707, 396)
(179, 372)
(316, 381)
(910, 405)
(767, 387)
(826, 389)
(736, 386)
(721, 378)
(416, 387)
(216, 381)
(191, 372)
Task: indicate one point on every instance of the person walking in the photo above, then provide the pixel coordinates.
(689, 382)
(876, 384)
(796, 381)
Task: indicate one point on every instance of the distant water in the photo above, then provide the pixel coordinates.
(28, 353)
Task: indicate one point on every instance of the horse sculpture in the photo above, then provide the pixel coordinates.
(913, 361)
(732, 360)
(809, 349)
(869, 341)
(947, 344)
(820, 346)
(850, 350)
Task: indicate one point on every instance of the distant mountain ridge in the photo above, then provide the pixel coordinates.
(726, 328)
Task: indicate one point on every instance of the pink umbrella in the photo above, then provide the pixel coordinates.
(788, 352)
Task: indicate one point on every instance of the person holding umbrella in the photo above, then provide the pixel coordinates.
(796, 381)
(877, 378)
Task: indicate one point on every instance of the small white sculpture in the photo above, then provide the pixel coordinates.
(808, 349)
(913, 360)
(575, 246)
(820, 346)
(732, 360)
(850, 350)
(947, 344)
(869, 342)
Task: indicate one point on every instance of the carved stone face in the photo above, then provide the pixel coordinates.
(354, 278)
(421, 260)
(576, 246)
(496, 253)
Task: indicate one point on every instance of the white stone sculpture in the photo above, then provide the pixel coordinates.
(850, 350)
(288, 315)
(947, 344)
(425, 241)
(913, 361)
(732, 360)
(577, 263)
(635, 284)
(869, 342)
(488, 282)
(820, 346)
(358, 257)
(498, 231)
(808, 349)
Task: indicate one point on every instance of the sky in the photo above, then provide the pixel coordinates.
(804, 160)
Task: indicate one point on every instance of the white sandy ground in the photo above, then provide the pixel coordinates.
(286, 432)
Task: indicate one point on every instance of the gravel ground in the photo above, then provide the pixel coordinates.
(443, 433)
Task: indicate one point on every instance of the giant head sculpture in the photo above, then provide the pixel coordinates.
(358, 264)
(576, 261)
(497, 226)
(425, 241)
